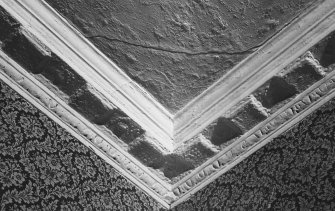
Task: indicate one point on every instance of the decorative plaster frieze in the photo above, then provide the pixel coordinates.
(168, 195)
(283, 119)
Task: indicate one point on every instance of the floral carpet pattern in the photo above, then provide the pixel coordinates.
(43, 168)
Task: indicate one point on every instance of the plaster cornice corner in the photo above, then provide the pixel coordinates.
(43, 25)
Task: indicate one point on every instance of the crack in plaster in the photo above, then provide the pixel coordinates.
(190, 53)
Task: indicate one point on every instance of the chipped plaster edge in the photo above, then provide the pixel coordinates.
(291, 42)
(39, 19)
(43, 99)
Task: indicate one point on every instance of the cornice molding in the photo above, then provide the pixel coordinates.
(168, 195)
(71, 46)
(291, 42)
(105, 146)
(118, 89)
(279, 122)
(168, 129)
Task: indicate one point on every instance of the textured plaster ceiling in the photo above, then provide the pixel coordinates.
(176, 49)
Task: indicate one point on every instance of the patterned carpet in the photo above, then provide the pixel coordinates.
(43, 168)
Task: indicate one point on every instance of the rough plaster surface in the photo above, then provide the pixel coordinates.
(176, 49)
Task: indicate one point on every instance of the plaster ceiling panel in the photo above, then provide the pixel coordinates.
(177, 49)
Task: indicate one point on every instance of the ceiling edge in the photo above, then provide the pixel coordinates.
(168, 195)
(276, 124)
(271, 57)
(71, 46)
(115, 86)
(104, 146)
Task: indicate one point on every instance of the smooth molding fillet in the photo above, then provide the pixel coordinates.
(71, 46)
(289, 115)
(51, 105)
(291, 42)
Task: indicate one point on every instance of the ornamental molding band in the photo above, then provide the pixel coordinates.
(168, 155)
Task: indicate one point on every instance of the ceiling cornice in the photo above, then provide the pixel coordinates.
(70, 45)
(277, 57)
(105, 146)
(270, 58)
(289, 115)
